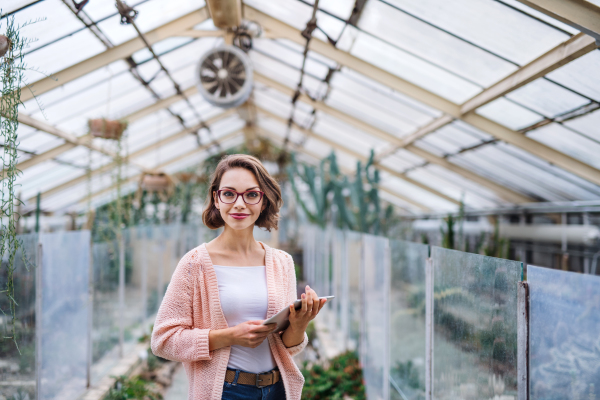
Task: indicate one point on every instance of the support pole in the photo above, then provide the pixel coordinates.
(429, 329)
(38, 322)
(144, 278)
(121, 294)
(387, 278)
(37, 212)
(523, 341)
(90, 317)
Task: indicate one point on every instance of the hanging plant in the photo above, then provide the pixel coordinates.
(107, 129)
(157, 183)
(11, 74)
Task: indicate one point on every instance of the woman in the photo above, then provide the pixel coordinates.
(221, 292)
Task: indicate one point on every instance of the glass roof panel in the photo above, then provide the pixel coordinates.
(60, 55)
(341, 8)
(588, 125)
(413, 192)
(529, 178)
(546, 166)
(297, 14)
(402, 160)
(568, 142)
(517, 5)
(46, 22)
(11, 5)
(489, 24)
(507, 171)
(151, 15)
(429, 43)
(509, 114)
(547, 98)
(413, 69)
(455, 186)
(581, 75)
(66, 91)
(40, 142)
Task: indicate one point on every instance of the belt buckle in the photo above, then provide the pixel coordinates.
(258, 385)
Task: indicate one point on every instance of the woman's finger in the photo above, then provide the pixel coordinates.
(310, 301)
(304, 304)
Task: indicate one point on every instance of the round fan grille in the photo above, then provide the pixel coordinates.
(225, 75)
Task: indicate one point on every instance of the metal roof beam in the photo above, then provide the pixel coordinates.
(562, 54)
(580, 14)
(276, 28)
(165, 164)
(124, 50)
(359, 156)
(503, 192)
(135, 154)
(345, 171)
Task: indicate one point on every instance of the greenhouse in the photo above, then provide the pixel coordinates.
(431, 164)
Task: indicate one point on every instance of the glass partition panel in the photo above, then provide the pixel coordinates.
(65, 278)
(353, 255)
(407, 320)
(374, 338)
(18, 359)
(475, 325)
(564, 334)
(105, 328)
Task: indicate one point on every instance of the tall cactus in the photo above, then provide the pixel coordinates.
(357, 201)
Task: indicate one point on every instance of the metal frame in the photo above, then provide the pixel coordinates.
(429, 324)
(137, 153)
(38, 319)
(273, 136)
(116, 53)
(523, 341)
(282, 30)
(580, 14)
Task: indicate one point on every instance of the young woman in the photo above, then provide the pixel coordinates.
(221, 292)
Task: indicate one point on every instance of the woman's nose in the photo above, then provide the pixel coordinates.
(239, 202)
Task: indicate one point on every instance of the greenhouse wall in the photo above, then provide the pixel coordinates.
(433, 323)
(82, 306)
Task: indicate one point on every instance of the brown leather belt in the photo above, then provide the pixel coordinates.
(258, 380)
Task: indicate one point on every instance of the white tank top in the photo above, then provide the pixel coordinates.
(244, 297)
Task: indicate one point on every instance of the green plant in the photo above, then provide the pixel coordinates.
(132, 388)
(407, 374)
(342, 378)
(357, 201)
(12, 69)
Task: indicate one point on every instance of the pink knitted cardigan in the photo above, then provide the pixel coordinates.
(191, 308)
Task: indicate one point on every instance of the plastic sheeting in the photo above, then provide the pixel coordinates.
(564, 340)
(407, 320)
(475, 325)
(65, 307)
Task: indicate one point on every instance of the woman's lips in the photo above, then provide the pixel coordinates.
(239, 216)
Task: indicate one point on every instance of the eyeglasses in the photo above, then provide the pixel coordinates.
(229, 196)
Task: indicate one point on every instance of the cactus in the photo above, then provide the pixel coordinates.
(357, 201)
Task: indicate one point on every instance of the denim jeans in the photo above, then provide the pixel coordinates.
(237, 391)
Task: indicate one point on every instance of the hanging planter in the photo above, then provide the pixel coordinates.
(107, 129)
(4, 45)
(156, 182)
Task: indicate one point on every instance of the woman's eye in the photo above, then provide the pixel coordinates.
(252, 195)
(228, 194)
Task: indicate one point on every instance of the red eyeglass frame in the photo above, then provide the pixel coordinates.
(238, 194)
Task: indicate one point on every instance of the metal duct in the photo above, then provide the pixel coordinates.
(574, 234)
(225, 13)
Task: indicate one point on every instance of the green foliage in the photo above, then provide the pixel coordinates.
(343, 377)
(407, 374)
(132, 388)
(12, 70)
(357, 202)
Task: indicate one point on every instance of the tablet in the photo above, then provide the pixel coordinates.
(282, 317)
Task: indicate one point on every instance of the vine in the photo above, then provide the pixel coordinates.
(11, 74)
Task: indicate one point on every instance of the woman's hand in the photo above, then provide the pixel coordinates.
(251, 333)
(311, 305)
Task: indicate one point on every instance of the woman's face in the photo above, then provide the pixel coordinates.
(239, 215)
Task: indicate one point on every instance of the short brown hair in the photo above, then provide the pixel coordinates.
(269, 218)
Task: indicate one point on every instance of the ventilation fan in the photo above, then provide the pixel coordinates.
(225, 75)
